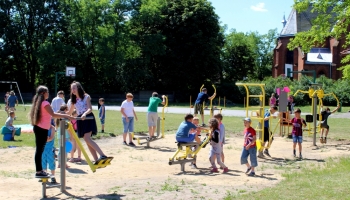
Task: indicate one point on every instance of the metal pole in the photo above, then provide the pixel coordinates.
(56, 80)
(158, 126)
(314, 113)
(63, 158)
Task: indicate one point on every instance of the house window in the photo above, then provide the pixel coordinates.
(289, 57)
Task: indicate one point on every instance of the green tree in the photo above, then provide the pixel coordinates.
(332, 21)
(237, 57)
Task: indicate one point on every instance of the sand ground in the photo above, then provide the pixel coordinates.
(144, 173)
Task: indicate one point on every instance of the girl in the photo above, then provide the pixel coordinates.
(273, 100)
(215, 149)
(74, 123)
(297, 131)
(40, 117)
(81, 102)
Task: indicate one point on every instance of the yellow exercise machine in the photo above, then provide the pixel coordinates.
(316, 93)
(185, 154)
(62, 143)
(257, 115)
(93, 166)
(159, 136)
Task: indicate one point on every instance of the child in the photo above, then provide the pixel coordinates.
(40, 117)
(290, 103)
(273, 100)
(222, 135)
(81, 101)
(74, 123)
(249, 147)
(48, 157)
(297, 131)
(324, 125)
(68, 135)
(9, 124)
(215, 148)
(197, 132)
(102, 113)
(128, 115)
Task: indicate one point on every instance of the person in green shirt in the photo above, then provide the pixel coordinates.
(152, 114)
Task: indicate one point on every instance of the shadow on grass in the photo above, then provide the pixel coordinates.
(99, 196)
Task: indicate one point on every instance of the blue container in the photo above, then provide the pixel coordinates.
(7, 137)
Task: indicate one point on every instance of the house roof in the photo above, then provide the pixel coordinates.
(319, 56)
(290, 28)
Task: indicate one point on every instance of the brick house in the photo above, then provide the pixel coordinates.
(325, 59)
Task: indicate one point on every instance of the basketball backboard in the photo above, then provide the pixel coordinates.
(70, 71)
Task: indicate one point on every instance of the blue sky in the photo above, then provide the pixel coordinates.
(252, 15)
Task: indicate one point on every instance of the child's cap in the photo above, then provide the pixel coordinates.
(195, 118)
(247, 119)
(297, 110)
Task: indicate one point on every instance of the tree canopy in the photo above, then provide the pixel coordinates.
(332, 21)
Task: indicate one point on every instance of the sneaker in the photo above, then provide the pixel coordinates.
(225, 170)
(102, 131)
(131, 144)
(248, 170)
(294, 153)
(325, 140)
(42, 174)
(261, 155)
(214, 170)
(266, 152)
(321, 140)
(300, 156)
(194, 166)
(53, 180)
(203, 125)
(101, 158)
(124, 143)
(251, 174)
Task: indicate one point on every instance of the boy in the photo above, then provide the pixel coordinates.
(198, 105)
(183, 133)
(297, 131)
(249, 147)
(152, 113)
(324, 125)
(9, 124)
(102, 113)
(267, 115)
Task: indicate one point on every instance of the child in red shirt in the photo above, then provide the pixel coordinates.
(249, 148)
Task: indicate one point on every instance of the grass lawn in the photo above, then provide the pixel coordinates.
(328, 182)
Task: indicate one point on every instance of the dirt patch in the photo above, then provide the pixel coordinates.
(144, 173)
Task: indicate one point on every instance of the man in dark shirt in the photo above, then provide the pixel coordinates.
(198, 105)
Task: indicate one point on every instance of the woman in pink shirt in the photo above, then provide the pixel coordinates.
(40, 117)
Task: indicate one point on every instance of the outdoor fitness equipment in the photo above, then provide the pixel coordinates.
(63, 160)
(211, 102)
(147, 138)
(185, 152)
(257, 115)
(316, 93)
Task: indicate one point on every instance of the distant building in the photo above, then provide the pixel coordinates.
(324, 59)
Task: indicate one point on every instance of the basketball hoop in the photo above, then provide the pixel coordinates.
(70, 72)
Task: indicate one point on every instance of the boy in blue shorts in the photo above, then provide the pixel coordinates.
(198, 105)
(102, 113)
(249, 148)
(297, 131)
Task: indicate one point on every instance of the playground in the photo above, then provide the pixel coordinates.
(143, 173)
